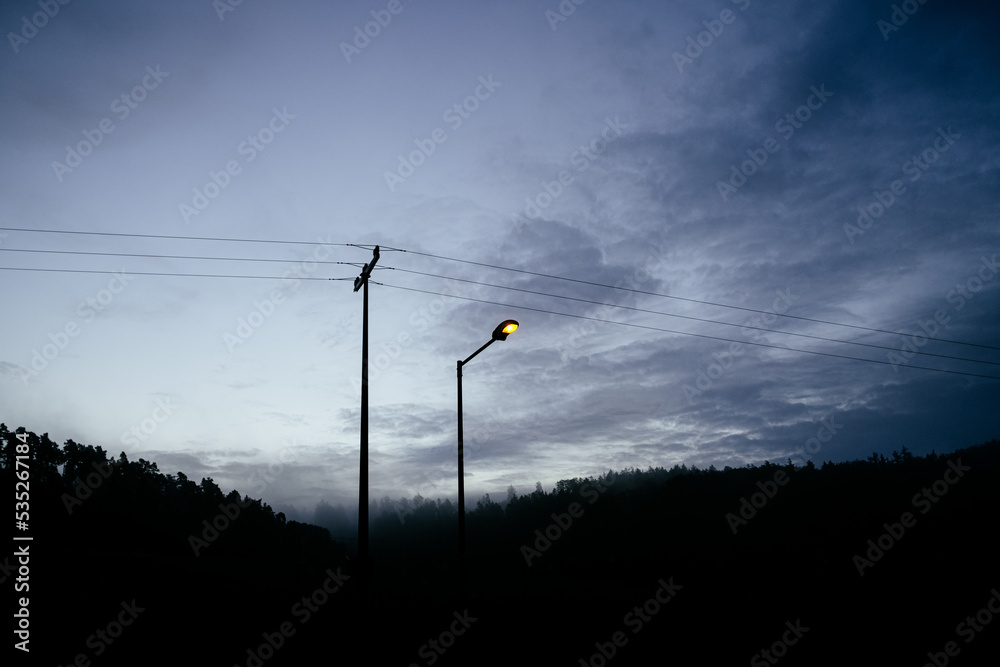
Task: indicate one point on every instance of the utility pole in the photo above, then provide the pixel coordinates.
(361, 282)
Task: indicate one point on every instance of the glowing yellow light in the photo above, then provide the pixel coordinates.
(504, 329)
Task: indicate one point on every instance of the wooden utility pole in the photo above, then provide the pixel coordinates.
(361, 282)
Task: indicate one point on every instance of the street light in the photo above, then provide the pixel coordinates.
(503, 330)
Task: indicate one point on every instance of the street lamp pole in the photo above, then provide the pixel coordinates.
(461, 494)
(504, 329)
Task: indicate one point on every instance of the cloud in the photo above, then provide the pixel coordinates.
(808, 117)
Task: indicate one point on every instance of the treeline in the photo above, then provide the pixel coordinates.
(419, 520)
(898, 542)
(124, 505)
(626, 523)
(108, 533)
(413, 519)
(131, 505)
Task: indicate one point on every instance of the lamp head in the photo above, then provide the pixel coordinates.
(504, 329)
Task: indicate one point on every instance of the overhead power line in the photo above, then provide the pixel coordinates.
(432, 275)
(507, 305)
(144, 255)
(683, 333)
(501, 268)
(161, 273)
(681, 298)
(688, 317)
(178, 238)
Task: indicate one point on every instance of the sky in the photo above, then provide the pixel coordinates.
(829, 170)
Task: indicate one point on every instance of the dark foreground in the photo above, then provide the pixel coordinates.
(896, 567)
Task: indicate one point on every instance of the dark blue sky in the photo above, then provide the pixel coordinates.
(798, 161)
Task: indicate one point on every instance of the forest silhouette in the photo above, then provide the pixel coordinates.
(876, 561)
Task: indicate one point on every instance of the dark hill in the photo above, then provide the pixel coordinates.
(866, 562)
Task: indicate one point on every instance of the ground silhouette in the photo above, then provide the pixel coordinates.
(879, 561)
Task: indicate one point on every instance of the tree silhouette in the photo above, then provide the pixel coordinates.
(601, 543)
